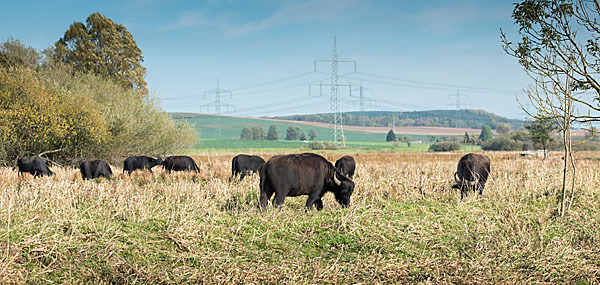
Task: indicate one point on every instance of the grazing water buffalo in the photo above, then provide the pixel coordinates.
(140, 162)
(245, 164)
(303, 174)
(472, 173)
(180, 163)
(92, 169)
(346, 165)
(34, 165)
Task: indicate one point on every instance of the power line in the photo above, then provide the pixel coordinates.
(274, 81)
(485, 89)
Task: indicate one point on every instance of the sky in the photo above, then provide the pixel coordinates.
(410, 55)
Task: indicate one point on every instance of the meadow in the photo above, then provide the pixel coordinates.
(405, 224)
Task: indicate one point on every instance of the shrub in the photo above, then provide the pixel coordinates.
(316, 146)
(322, 146)
(330, 145)
(80, 115)
(444, 146)
(502, 143)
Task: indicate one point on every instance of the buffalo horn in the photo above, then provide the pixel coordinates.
(335, 180)
(456, 178)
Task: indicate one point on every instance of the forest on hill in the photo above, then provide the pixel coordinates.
(466, 118)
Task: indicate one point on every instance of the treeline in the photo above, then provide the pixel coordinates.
(51, 105)
(292, 133)
(475, 119)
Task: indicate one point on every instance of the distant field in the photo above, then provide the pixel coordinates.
(224, 132)
(221, 146)
(405, 224)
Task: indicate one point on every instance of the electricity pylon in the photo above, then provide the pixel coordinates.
(334, 106)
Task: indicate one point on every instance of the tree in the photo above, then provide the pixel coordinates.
(15, 53)
(486, 133)
(391, 136)
(559, 48)
(407, 139)
(292, 133)
(539, 131)
(466, 139)
(246, 134)
(503, 129)
(312, 135)
(302, 136)
(258, 133)
(104, 48)
(272, 133)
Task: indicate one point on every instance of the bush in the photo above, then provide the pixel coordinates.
(444, 146)
(502, 143)
(80, 115)
(316, 146)
(322, 146)
(330, 145)
(36, 118)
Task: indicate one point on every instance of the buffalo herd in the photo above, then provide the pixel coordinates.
(284, 176)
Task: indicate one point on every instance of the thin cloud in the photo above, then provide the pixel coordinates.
(315, 11)
(449, 19)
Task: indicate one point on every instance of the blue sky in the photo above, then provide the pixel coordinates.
(412, 54)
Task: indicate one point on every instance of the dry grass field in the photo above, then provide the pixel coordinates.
(405, 225)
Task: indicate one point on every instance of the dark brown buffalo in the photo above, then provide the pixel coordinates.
(92, 169)
(246, 164)
(303, 174)
(134, 163)
(36, 166)
(472, 173)
(346, 165)
(180, 163)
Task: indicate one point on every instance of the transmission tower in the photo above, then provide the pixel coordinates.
(334, 106)
(216, 105)
(458, 103)
(361, 101)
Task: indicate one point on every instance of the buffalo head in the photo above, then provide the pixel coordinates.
(342, 188)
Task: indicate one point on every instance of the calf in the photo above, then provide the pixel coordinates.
(180, 163)
(34, 165)
(346, 165)
(472, 173)
(140, 162)
(92, 169)
(246, 164)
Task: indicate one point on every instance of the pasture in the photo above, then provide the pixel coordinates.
(405, 224)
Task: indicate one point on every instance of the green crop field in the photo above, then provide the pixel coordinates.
(223, 133)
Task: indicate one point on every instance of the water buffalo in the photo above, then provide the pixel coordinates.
(303, 174)
(245, 164)
(180, 163)
(36, 166)
(346, 165)
(140, 162)
(472, 173)
(92, 169)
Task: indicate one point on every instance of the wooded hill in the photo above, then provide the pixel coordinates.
(436, 118)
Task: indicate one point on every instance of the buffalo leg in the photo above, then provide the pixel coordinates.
(319, 204)
(265, 196)
(278, 200)
(309, 202)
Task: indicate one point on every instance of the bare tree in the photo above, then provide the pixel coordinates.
(559, 49)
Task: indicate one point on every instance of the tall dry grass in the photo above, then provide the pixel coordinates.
(405, 225)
